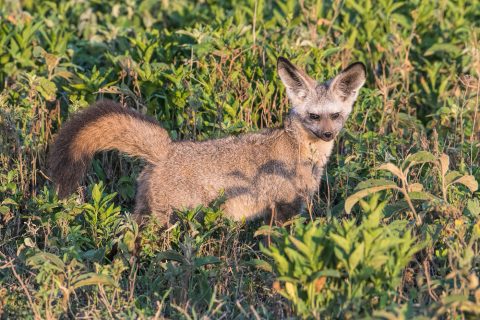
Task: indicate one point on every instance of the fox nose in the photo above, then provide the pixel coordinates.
(327, 136)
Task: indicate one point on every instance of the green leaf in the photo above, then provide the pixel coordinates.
(129, 240)
(378, 261)
(47, 89)
(451, 176)
(332, 273)
(43, 257)
(291, 290)
(330, 51)
(443, 47)
(473, 207)
(418, 158)
(354, 198)
(94, 255)
(374, 183)
(375, 216)
(171, 255)
(203, 261)
(399, 206)
(421, 196)
(4, 209)
(93, 279)
(9, 201)
(301, 246)
(97, 193)
(356, 256)
(341, 242)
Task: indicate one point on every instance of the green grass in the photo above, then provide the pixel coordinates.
(409, 248)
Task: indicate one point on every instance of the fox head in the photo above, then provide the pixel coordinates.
(322, 108)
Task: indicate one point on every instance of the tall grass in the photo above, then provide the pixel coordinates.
(207, 69)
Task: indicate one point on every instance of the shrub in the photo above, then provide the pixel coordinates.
(341, 267)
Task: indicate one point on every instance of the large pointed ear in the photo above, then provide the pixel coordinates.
(298, 84)
(345, 85)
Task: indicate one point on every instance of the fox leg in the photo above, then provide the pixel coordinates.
(279, 214)
(151, 201)
(145, 210)
(283, 211)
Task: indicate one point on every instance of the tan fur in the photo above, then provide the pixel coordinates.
(272, 169)
(101, 137)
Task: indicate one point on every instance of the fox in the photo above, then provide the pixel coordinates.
(271, 171)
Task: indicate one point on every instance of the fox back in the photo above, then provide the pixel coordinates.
(271, 171)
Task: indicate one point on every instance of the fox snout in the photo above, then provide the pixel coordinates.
(325, 135)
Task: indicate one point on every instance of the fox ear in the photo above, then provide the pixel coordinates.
(298, 84)
(346, 84)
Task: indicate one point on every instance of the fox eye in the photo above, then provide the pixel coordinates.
(335, 116)
(314, 116)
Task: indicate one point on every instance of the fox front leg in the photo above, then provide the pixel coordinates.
(281, 212)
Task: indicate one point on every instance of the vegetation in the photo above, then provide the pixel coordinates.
(393, 232)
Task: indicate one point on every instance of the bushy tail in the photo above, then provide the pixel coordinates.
(106, 125)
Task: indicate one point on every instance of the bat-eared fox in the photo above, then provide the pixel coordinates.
(274, 170)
